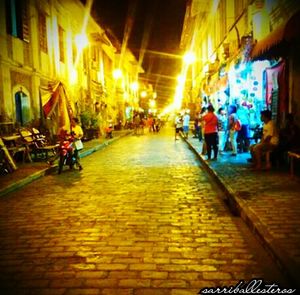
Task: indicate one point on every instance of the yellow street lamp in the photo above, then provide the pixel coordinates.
(189, 58)
(81, 41)
(180, 79)
(143, 94)
(117, 74)
(73, 76)
(152, 103)
(134, 86)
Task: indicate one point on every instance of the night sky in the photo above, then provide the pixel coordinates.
(157, 24)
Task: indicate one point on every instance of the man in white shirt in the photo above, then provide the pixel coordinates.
(268, 142)
(186, 124)
(178, 125)
(78, 134)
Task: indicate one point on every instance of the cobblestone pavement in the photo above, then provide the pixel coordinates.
(37, 169)
(141, 218)
(270, 201)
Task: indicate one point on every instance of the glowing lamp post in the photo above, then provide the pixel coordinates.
(134, 86)
(81, 41)
(117, 74)
(144, 94)
(189, 58)
(152, 103)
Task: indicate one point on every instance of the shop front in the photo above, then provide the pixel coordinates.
(281, 49)
(247, 87)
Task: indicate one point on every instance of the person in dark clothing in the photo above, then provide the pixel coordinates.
(211, 132)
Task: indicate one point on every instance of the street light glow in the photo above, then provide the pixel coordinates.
(117, 74)
(189, 58)
(81, 41)
(134, 86)
(180, 79)
(152, 103)
(73, 76)
(143, 93)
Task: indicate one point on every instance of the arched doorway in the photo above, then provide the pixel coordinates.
(22, 105)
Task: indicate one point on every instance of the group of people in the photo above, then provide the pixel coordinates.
(140, 123)
(217, 130)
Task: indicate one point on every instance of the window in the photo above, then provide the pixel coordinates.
(61, 34)
(17, 21)
(43, 32)
(22, 107)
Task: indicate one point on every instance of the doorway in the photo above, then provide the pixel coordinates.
(22, 108)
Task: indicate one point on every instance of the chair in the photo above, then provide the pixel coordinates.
(38, 147)
(4, 168)
(6, 159)
(39, 137)
(14, 145)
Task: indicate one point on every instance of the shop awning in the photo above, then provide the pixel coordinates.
(274, 44)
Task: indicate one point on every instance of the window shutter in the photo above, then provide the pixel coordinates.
(43, 32)
(24, 21)
(61, 36)
(8, 14)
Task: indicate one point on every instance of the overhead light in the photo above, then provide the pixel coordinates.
(189, 58)
(117, 74)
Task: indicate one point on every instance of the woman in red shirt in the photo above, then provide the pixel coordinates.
(211, 132)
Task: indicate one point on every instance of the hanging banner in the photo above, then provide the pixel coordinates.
(276, 80)
(56, 105)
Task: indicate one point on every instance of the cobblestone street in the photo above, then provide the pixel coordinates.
(142, 217)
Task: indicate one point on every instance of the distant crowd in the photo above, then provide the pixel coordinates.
(229, 130)
(140, 122)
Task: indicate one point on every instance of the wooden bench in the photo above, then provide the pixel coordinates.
(293, 155)
(8, 159)
(14, 145)
(37, 147)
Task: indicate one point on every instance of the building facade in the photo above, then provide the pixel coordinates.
(56, 62)
(246, 54)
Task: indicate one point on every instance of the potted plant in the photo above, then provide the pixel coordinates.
(85, 118)
(90, 125)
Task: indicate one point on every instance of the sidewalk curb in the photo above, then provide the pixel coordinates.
(239, 208)
(39, 174)
(21, 183)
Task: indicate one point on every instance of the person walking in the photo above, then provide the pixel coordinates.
(222, 129)
(211, 132)
(244, 133)
(136, 123)
(201, 132)
(196, 126)
(77, 132)
(186, 124)
(201, 124)
(178, 125)
(233, 132)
